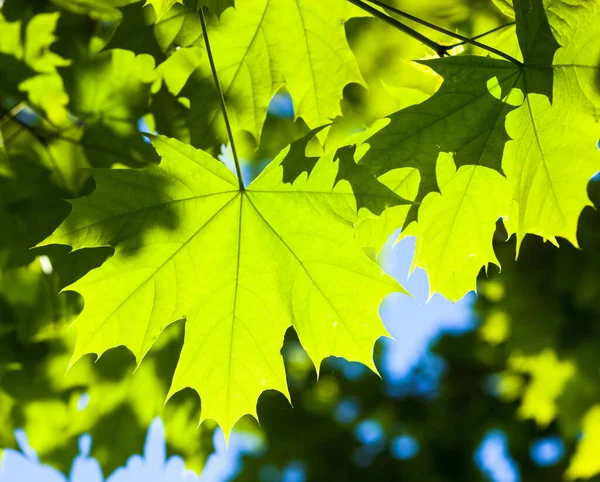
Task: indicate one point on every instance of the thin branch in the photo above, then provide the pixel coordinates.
(222, 99)
(50, 136)
(484, 34)
(439, 49)
(457, 36)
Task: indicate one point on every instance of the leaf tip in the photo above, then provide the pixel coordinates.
(74, 359)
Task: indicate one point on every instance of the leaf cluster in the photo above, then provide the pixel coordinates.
(163, 235)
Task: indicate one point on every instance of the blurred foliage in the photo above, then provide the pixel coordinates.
(542, 313)
(531, 369)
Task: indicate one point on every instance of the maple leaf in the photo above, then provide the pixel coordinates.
(259, 47)
(521, 120)
(162, 6)
(549, 193)
(240, 266)
(471, 200)
(30, 45)
(465, 117)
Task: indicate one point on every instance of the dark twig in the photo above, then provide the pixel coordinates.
(222, 99)
(425, 23)
(439, 49)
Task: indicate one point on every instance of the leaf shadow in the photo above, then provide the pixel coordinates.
(131, 204)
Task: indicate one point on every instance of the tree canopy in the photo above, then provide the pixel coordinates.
(128, 134)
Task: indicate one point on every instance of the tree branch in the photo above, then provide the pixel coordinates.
(462, 38)
(484, 34)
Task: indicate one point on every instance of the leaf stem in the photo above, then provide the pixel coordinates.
(457, 36)
(222, 99)
(484, 34)
(439, 49)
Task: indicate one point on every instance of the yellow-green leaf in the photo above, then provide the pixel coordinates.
(553, 153)
(240, 266)
(262, 45)
(162, 6)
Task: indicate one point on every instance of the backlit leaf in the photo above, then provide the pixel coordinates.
(260, 46)
(240, 267)
(162, 6)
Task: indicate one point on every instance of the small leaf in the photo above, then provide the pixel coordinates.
(110, 92)
(465, 116)
(456, 227)
(162, 6)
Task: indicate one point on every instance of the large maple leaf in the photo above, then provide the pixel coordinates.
(239, 265)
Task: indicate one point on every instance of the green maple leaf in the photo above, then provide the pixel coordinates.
(175, 41)
(261, 46)
(241, 266)
(464, 117)
(549, 193)
(31, 45)
(456, 227)
(522, 120)
(162, 6)
(39, 37)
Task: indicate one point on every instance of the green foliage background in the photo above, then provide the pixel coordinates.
(513, 139)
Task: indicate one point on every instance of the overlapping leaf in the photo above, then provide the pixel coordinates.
(478, 121)
(553, 153)
(162, 6)
(466, 117)
(259, 46)
(110, 93)
(456, 226)
(29, 45)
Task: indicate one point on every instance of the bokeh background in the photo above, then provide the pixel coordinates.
(504, 387)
